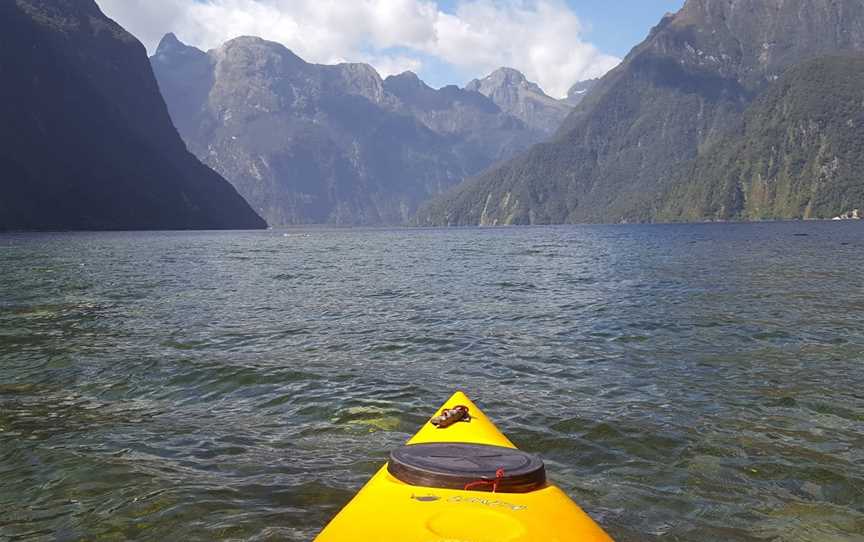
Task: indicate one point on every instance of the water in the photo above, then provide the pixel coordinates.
(686, 383)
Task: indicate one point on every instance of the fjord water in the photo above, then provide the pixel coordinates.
(687, 383)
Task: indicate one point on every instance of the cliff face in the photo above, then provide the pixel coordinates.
(85, 139)
(307, 143)
(678, 93)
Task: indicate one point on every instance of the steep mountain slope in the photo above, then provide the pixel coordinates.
(800, 152)
(513, 93)
(307, 143)
(675, 95)
(85, 138)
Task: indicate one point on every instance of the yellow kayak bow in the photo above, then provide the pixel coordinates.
(387, 509)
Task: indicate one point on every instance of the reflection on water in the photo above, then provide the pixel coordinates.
(682, 382)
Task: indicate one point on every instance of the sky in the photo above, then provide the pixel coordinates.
(554, 42)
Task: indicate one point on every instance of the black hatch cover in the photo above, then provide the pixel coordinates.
(455, 465)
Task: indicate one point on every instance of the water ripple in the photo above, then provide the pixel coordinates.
(682, 383)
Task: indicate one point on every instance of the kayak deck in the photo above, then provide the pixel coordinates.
(389, 510)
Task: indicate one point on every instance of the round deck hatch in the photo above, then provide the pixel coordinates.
(457, 466)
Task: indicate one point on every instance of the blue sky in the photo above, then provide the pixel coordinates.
(615, 25)
(554, 42)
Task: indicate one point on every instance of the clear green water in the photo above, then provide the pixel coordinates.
(685, 383)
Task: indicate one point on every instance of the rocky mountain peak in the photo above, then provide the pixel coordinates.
(525, 100)
(507, 75)
(503, 80)
(254, 50)
(173, 51)
(407, 84)
(169, 43)
(361, 79)
(406, 78)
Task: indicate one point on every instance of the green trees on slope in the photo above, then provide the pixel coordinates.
(798, 154)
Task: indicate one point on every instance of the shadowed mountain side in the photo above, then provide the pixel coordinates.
(85, 139)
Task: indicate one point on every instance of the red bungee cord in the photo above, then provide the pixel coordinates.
(499, 476)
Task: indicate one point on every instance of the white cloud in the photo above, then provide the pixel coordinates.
(393, 65)
(541, 38)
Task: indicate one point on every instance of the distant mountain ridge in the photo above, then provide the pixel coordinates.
(308, 143)
(485, 132)
(513, 93)
(85, 139)
(622, 151)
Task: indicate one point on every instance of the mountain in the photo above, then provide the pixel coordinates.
(799, 152)
(578, 91)
(676, 95)
(308, 143)
(485, 133)
(85, 138)
(513, 93)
